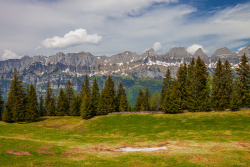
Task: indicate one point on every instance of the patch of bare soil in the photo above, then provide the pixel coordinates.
(45, 147)
(18, 152)
(245, 145)
(68, 153)
(45, 152)
(197, 158)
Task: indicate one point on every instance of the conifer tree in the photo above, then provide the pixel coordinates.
(181, 86)
(101, 109)
(48, 97)
(62, 104)
(166, 85)
(32, 113)
(94, 97)
(123, 104)
(73, 106)
(51, 111)
(1, 103)
(139, 101)
(172, 101)
(109, 95)
(86, 87)
(217, 88)
(86, 108)
(78, 103)
(119, 94)
(41, 108)
(14, 106)
(145, 102)
(244, 81)
(235, 101)
(129, 108)
(69, 95)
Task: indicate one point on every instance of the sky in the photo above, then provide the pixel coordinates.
(108, 27)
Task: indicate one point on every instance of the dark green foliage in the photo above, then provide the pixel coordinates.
(217, 88)
(235, 101)
(123, 104)
(101, 109)
(69, 95)
(227, 83)
(94, 98)
(145, 103)
(173, 102)
(51, 108)
(41, 108)
(73, 109)
(48, 97)
(32, 113)
(180, 85)
(109, 95)
(15, 104)
(129, 108)
(244, 81)
(166, 86)
(197, 89)
(1, 103)
(119, 94)
(85, 108)
(139, 101)
(155, 101)
(86, 87)
(62, 104)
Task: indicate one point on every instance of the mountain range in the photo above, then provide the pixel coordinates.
(60, 68)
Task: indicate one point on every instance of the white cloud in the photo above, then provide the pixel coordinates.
(39, 47)
(192, 49)
(73, 38)
(8, 54)
(157, 47)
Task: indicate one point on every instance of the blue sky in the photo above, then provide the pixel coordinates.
(107, 27)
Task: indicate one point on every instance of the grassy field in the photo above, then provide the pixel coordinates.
(192, 139)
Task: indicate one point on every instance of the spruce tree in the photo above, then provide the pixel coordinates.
(217, 88)
(73, 109)
(181, 86)
(166, 85)
(119, 94)
(235, 101)
(15, 104)
(129, 108)
(244, 81)
(145, 102)
(69, 95)
(109, 95)
(48, 97)
(101, 109)
(41, 108)
(86, 87)
(51, 111)
(1, 103)
(86, 108)
(123, 104)
(139, 101)
(32, 113)
(62, 104)
(94, 97)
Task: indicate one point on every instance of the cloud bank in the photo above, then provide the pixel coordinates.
(73, 38)
(8, 54)
(157, 47)
(192, 49)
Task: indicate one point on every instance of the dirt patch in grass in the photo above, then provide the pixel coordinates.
(183, 143)
(45, 152)
(217, 148)
(198, 158)
(245, 145)
(45, 147)
(18, 152)
(68, 153)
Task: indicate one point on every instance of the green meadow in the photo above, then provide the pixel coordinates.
(192, 139)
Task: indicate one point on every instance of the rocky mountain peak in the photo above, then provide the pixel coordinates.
(179, 52)
(150, 52)
(200, 53)
(245, 50)
(222, 51)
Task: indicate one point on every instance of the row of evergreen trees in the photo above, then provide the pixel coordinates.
(23, 105)
(191, 91)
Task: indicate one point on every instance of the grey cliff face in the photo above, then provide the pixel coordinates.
(179, 52)
(245, 50)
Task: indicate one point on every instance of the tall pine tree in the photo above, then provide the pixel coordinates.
(244, 81)
(32, 113)
(69, 95)
(62, 104)
(94, 98)
(119, 94)
(145, 102)
(181, 86)
(101, 109)
(1, 103)
(48, 97)
(139, 101)
(51, 108)
(109, 95)
(14, 106)
(166, 85)
(73, 106)
(86, 108)
(41, 108)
